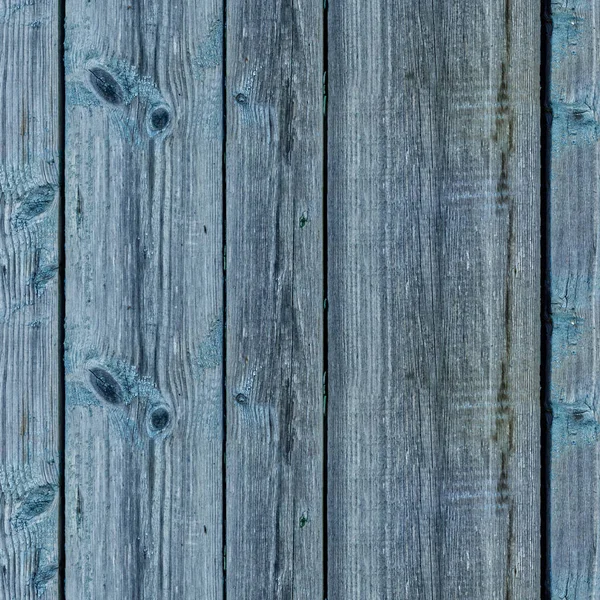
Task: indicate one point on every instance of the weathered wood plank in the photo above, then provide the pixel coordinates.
(433, 243)
(144, 299)
(29, 404)
(574, 211)
(274, 299)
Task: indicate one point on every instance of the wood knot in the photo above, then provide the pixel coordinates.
(159, 118)
(241, 98)
(242, 399)
(105, 385)
(159, 419)
(106, 86)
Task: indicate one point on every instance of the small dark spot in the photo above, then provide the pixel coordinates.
(241, 98)
(205, 230)
(303, 220)
(159, 418)
(303, 520)
(78, 507)
(35, 503)
(106, 385)
(159, 118)
(205, 530)
(241, 399)
(106, 86)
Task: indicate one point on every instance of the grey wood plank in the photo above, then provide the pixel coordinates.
(433, 295)
(144, 287)
(574, 214)
(29, 369)
(274, 489)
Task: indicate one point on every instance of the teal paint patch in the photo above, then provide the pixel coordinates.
(574, 125)
(78, 94)
(76, 394)
(566, 33)
(210, 51)
(566, 333)
(210, 352)
(573, 425)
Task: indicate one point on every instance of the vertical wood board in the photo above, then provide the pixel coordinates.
(574, 216)
(274, 395)
(29, 366)
(144, 299)
(433, 296)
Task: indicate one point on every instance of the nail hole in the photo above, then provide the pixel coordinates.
(241, 399)
(241, 98)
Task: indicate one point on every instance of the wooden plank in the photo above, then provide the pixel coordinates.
(433, 244)
(144, 299)
(274, 299)
(574, 216)
(29, 371)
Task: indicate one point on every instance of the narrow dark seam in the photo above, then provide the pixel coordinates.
(224, 320)
(325, 305)
(545, 279)
(61, 301)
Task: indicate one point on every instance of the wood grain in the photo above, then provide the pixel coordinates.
(274, 299)
(29, 192)
(433, 253)
(144, 299)
(574, 216)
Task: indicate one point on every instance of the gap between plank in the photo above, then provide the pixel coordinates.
(224, 320)
(546, 317)
(61, 300)
(325, 301)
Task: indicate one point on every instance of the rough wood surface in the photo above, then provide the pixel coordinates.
(29, 192)
(433, 243)
(274, 299)
(574, 510)
(144, 299)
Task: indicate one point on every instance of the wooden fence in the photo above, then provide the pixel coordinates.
(299, 301)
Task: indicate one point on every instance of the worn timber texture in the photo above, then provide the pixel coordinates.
(433, 289)
(574, 516)
(302, 309)
(274, 300)
(144, 299)
(29, 373)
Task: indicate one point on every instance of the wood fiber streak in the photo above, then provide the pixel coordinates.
(433, 296)
(144, 299)
(574, 235)
(274, 299)
(29, 384)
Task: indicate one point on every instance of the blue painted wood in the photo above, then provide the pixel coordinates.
(29, 365)
(574, 303)
(144, 299)
(433, 295)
